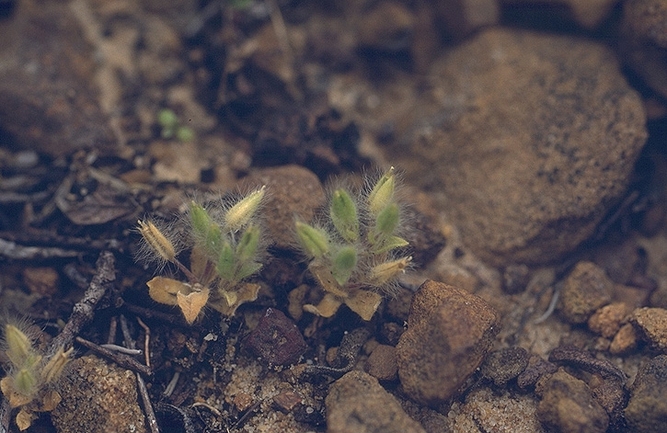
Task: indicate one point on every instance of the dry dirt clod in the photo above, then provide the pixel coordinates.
(98, 397)
(449, 333)
(381, 363)
(504, 365)
(647, 409)
(568, 405)
(651, 323)
(294, 192)
(531, 167)
(357, 403)
(276, 339)
(586, 289)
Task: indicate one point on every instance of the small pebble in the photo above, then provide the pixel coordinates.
(276, 339)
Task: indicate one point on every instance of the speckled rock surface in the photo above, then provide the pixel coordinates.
(48, 99)
(651, 324)
(585, 289)
(483, 411)
(98, 397)
(645, 42)
(357, 403)
(294, 192)
(529, 168)
(568, 405)
(449, 333)
(381, 363)
(647, 409)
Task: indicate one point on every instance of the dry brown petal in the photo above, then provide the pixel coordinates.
(364, 302)
(327, 306)
(164, 290)
(192, 303)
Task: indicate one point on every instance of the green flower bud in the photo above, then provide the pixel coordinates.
(207, 232)
(343, 214)
(25, 381)
(247, 247)
(247, 269)
(313, 240)
(387, 220)
(19, 346)
(242, 212)
(382, 193)
(344, 263)
(226, 261)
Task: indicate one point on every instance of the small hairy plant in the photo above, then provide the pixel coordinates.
(353, 252)
(32, 375)
(225, 247)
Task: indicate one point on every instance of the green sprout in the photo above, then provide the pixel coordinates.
(32, 375)
(224, 252)
(354, 254)
(171, 126)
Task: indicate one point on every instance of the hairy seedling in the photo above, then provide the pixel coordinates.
(354, 252)
(32, 375)
(225, 246)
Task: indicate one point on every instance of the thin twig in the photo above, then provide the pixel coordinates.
(145, 398)
(147, 340)
(148, 407)
(121, 359)
(84, 310)
(121, 349)
(14, 251)
(5, 411)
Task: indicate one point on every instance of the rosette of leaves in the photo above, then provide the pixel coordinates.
(224, 252)
(354, 253)
(32, 376)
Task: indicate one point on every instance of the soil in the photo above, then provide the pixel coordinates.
(530, 143)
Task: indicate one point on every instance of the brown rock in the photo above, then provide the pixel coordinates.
(449, 333)
(624, 341)
(462, 17)
(530, 167)
(568, 406)
(587, 13)
(647, 409)
(585, 289)
(98, 397)
(294, 192)
(651, 324)
(608, 320)
(504, 365)
(645, 41)
(276, 339)
(381, 363)
(357, 403)
(48, 99)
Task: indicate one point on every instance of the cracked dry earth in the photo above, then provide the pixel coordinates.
(531, 138)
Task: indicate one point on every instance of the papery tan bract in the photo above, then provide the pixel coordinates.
(164, 290)
(192, 303)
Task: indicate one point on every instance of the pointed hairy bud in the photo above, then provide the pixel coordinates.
(247, 247)
(25, 381)
(157, 241)
(343, 213)
(387, 220)
(344, 262)
(385, 272)
(382, 193)
(242, 212)
(54, 368)
(226, 261)
(19, 346)
(207, 233)
(313, 240)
